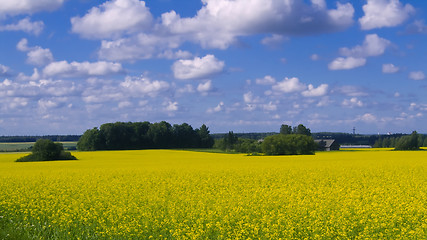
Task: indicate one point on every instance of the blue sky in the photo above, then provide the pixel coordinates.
(245, 66)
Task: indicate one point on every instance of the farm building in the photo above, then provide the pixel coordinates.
(327, 145)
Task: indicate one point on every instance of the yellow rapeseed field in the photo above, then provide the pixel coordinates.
(168, 194)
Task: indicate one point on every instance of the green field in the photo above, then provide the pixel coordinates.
(26, 146)
(171, 194)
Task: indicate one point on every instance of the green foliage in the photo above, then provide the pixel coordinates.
(291, 144)
(47, 150)
(91, 140)
(206, 141)
(285, 129)
(144, 135)
(227, 142)
(410, 142)
(300, 129)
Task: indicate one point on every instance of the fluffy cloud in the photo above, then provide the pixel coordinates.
(205, 87)
(419, 75)
(316, 92)
(98, 91)
(141, 86)
(384, 13)
(353, 102)
(4, 70)
(78, 69)
(373, 45)
(367, 117)
(171, 106)
(141, 46)
(267, 80)
(289, 85)
(112, 19)
(218, 108)
(390, 68)
(346, 63)
(16, 7)
(35, 55)
(25, 25)
(37, 89)
(219, 22)
(197, 68)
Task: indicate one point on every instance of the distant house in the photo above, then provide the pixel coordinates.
(327, 145)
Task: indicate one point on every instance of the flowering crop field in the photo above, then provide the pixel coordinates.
(168, 194)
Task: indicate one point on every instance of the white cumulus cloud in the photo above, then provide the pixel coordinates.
(218, 108)
(316, 92)
(140, 86)
(289, 85)
(85, 69)
(24, 25)
(352, 102)
(384, 13)
(205, 87)
(112, 19)
(390, 68)
(219, 22)
(141, 46)
(171, 106)
(267, 80)
(35, 55)
(4, 70)
(346, 63)
(373, 45)
(418, 75)
(197, 68)
(16, 7)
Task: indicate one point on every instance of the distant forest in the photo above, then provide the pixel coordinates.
(341, 138)
(55, 138)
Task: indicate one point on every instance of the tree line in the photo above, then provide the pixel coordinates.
(144, 135)
(56, 138)
(406, 142)
(291, 141)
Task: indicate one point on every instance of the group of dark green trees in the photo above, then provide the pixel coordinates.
(230, 142)
(47, 150)
(408, 142)
(291, 141)
(144, 135)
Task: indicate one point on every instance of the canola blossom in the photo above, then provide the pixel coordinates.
(170, 194)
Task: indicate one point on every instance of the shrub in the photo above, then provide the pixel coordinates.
(46, 150)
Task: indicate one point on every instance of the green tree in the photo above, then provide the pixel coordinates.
(301, 129)
(161, 134)
(185, 136)
(91, 140)
(47, 150)
(285, 129)
(378, 143)
(293, 144)
(408, 142)
(206, 140)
